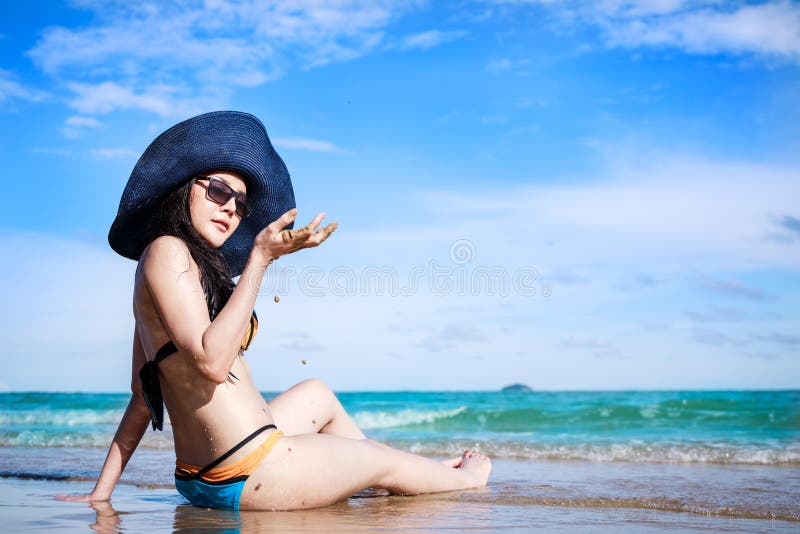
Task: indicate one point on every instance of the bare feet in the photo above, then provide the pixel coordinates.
(453, 462)
(478, 465)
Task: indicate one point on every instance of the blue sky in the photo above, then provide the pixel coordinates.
(573, 195)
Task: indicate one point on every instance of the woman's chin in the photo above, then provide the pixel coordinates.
(215, 241)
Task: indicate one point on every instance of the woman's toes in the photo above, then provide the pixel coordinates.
(452, 462)
(479, 464)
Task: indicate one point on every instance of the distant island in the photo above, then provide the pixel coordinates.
(513, 388)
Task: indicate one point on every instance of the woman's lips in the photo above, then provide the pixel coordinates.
(221, 225)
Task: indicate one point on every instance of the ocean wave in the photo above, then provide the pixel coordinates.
(636, 452)
(401, 418)
(90, 440)
(697, 453)
(60, 418)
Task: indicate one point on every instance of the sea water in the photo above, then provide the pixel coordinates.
(726, 427)
(731, 453)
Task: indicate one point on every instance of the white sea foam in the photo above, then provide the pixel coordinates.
(712, 453)
(94, 439)
(400, 418)
(60, 418)
(673, 453)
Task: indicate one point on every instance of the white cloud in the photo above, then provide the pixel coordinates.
(430, 39)
(74, 126)
(310, 145)
(660, 217)
(167, 58)
(51, 151)
(166, 101)
(111, 153)
(499, 65)
(770, 29)
(648, 213)
(83, 122)
(641, 8)
(450, 337)
(11, 89)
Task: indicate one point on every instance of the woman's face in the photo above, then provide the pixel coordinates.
(215, 222)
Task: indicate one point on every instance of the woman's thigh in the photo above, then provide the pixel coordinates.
(312, 470)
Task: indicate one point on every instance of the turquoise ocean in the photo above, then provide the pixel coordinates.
(717, 452)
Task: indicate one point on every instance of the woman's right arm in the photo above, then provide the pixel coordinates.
(129, 433)
(173, 279)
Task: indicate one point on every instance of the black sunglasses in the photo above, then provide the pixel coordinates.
(221, 193)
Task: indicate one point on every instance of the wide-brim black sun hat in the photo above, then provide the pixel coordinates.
(217, 141)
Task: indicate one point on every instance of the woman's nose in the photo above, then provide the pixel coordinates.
(230, 205)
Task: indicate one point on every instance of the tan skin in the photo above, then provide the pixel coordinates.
(323, 456)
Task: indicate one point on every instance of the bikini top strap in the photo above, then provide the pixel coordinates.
(151, 385)
(228, 454)
(151, 391)
(167, 349)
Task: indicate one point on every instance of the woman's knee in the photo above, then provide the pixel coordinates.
(316, 388)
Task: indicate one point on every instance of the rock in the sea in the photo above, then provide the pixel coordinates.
(516, 388)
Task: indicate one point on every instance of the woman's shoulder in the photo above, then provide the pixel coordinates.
(166, 252)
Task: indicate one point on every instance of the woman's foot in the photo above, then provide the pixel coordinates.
(478, 465)
(453, 462)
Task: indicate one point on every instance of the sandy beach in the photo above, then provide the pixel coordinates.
(549, 495)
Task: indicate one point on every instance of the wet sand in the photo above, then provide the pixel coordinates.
(554, 496)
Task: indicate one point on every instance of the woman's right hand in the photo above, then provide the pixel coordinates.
(273, 241)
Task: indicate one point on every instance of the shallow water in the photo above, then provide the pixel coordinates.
(732, 491)
(554, 496)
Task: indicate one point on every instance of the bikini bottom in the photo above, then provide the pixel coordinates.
(221, 487)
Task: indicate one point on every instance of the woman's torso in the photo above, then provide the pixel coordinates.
(207, 419)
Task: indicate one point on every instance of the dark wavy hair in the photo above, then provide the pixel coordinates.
(174, 218)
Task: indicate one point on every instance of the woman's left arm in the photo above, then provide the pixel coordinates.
(129, 433)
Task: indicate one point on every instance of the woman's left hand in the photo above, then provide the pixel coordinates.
(307, 236)
(275, 241)
(77, 497)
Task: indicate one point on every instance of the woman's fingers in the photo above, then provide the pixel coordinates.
(315, 223)
(283, 221)
(80, 497)
(281, 240)
(303, 232)
(317, 238)
(295, 237)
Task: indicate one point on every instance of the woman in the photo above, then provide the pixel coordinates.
(217, 202)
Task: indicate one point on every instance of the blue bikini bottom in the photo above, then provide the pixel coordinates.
(221, 487)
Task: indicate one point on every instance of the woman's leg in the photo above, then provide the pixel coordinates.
(312, 470)
(310, 407)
